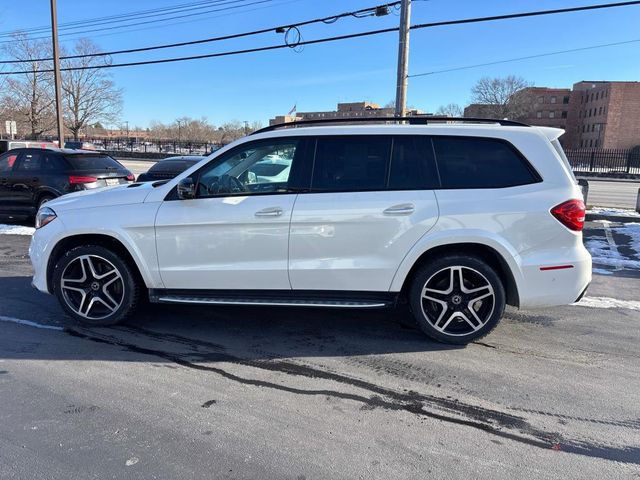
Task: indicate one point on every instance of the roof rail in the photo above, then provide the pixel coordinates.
(417, 120)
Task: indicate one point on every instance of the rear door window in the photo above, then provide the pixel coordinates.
(29, 162)
(470, 162)
(412, 164)
(351, 163)
(93, 162)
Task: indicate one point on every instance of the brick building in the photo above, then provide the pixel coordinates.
(344, 110)
(549, 106)
(604, 115)
(595, 114)
(546, 107)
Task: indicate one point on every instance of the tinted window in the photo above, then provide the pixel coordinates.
(351, 163)
(93, 162)
(412, 164)
(30, 162)
(53, 163)
(6, 161)
(480, 163)
(171, 166)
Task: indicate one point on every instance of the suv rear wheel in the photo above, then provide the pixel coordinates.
(457, 299)
(95, 286)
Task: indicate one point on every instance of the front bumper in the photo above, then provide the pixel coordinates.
(42, 243)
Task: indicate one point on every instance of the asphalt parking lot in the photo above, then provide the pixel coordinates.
(304, 394)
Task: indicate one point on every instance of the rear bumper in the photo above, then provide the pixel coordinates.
(560, 278)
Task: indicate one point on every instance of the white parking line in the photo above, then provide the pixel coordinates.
(612, 244)
(29, 323)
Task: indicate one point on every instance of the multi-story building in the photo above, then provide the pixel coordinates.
(604, 115)
(345, 110)
(547, 107)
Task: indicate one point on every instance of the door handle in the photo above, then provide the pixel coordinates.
(269, 212)
(402, 209)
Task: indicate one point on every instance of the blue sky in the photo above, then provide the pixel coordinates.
(261, 85)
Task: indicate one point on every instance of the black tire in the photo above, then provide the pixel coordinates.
(111, 300)
(457, 323)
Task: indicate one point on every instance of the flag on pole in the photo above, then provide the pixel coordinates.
(293, 109)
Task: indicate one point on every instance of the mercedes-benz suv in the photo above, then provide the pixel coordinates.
(455, 219)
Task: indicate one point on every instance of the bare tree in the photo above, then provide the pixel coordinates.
(29, 96)
(504, 97)
(89, 96)
(230, 131)
(450, 110)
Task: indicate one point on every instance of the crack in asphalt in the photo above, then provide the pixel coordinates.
(494, 422)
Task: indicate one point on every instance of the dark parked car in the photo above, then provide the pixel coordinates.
(168, 168)
(30, 177)
(80, 145)
(6, 145)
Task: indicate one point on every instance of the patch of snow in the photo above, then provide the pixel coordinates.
(606, 302)
(631, 230)
(28, 323)
(618, 212)
(603, 254)
(602, 271)
(15, 230)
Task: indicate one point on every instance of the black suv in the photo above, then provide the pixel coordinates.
(30, 177)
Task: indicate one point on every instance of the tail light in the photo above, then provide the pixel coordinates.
(75, 180)
(571, 214)
(131, 177)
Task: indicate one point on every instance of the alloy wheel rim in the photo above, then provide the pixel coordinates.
(92, 287)
(457, 300)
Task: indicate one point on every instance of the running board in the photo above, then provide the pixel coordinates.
(266, 299)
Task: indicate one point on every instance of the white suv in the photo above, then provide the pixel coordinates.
(455, 219)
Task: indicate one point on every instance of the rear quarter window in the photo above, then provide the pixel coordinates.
(93, 162)
(468, 162)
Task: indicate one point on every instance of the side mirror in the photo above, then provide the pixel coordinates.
(186, 189)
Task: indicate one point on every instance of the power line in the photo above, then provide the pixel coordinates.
(139, 25)
(527, 14)
(206, 17)
(123, 17)
(147, 22)
(528, 57)
(329, 19)
(342, 37)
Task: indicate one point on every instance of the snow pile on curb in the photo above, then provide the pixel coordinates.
(613, 212)
(15, 230)
(606, 302)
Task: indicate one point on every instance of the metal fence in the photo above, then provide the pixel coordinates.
(604, 160)
(144, 145)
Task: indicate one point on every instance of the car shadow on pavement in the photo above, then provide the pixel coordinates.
(224, 332)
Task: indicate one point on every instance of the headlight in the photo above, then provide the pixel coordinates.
(44, 216)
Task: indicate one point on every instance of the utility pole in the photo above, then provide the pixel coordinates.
(179, 133)
(246, 127)
(403, 58)
(56, 72)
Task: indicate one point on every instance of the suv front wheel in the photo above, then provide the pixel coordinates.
(95, 286)
(457, 299)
